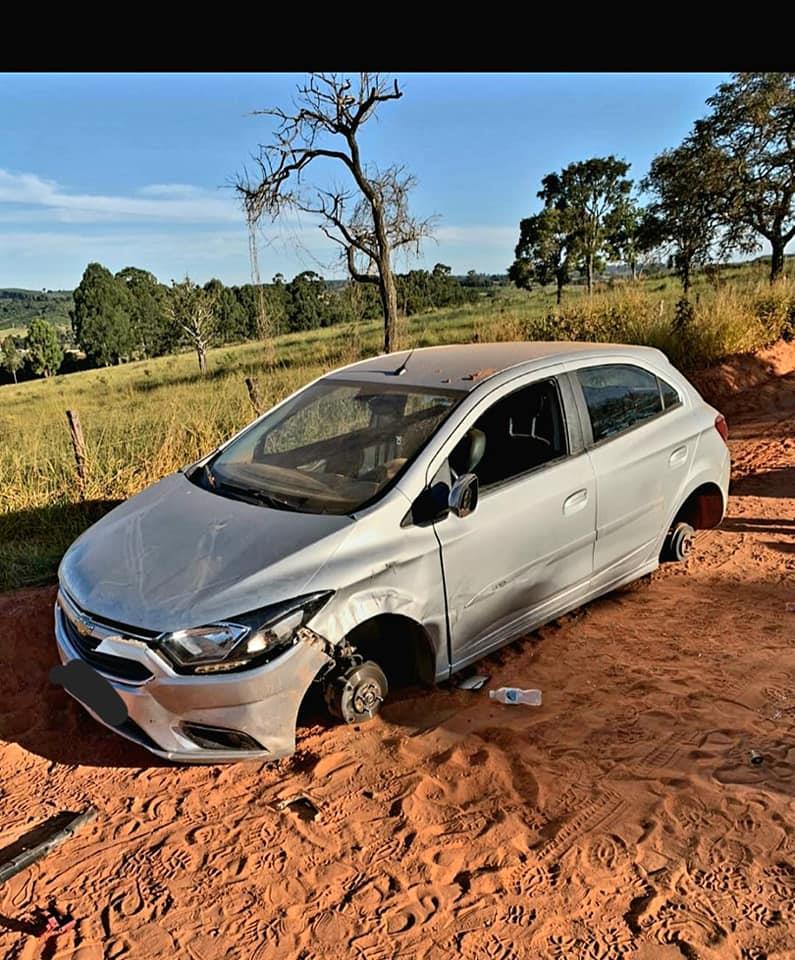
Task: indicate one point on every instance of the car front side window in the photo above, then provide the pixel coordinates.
(518, 433)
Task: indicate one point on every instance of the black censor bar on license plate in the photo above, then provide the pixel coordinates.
(91, 689)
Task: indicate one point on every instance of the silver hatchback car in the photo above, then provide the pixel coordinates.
(392, 521)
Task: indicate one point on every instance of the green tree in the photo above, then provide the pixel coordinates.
(277, 307)
(361, 301)
(101, 316)
(475, 279)
(547, 244)
(751, 131)
(151, 333)
(193, 311)
(629, 236)
(232, 317)
(415, 291)
(590, 193)
(447, 290)
(45, 352)
(683, 214)
(307, 307)
(247, 298)
(277, 302)
(10, 357)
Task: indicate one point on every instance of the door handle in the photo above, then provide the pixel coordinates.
(574, 502)
(678, 456)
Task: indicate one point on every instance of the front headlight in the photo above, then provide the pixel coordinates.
(243, 642)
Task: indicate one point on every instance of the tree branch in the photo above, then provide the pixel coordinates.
(330, 106)
(355, 275)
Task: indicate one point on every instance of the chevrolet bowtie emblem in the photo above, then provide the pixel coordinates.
(83, 626)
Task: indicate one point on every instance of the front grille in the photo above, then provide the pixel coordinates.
(119, 667)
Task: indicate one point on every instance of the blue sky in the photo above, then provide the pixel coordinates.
(135, 169)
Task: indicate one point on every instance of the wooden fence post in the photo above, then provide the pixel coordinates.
(253, 395)
(79, 447)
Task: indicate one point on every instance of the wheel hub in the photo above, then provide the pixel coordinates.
(366, 696)
(357, 693)
(685, 543)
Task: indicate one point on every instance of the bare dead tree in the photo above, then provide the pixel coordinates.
(192, 310)
(370, 218)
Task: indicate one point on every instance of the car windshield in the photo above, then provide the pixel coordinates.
(331, 449)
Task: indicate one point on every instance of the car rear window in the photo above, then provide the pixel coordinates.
(619, 396)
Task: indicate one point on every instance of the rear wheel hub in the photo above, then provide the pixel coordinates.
(680, 542)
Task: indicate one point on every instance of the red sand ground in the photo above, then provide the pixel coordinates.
(621, 818)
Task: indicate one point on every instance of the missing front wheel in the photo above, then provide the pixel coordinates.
(356, 694)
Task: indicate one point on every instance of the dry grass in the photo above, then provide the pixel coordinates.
(727, 320)
(146, 419)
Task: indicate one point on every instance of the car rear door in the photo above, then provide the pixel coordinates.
(641, 451)
(526, 552)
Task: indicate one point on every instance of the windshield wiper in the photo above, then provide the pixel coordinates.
(267, 499)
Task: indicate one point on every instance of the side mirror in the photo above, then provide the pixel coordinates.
(464, 495)
(430, 506)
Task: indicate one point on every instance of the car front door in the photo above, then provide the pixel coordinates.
(641, 452)
(526, 552)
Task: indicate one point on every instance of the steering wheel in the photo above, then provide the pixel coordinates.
(305, 482)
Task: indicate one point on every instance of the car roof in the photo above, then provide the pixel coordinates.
(466, 365)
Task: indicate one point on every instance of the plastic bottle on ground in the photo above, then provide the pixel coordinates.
(515, 695)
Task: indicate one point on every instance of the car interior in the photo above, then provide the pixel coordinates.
(342, 469)
(515, 435)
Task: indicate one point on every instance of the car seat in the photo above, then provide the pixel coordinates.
(468, 452)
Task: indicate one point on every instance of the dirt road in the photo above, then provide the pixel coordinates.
(623, 817)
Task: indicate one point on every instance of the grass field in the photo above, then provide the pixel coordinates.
(18, 307)
(13, 332)
(145, 419)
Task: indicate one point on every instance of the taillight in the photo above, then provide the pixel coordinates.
(722, 427)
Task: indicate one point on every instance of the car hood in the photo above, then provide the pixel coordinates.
(177, 555)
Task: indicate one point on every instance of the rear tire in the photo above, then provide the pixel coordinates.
(679, 542)
(356, 694)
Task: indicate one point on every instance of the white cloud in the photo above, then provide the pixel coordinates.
(169, 203)
(29, 197)
(177, 228)
(479, 235)
(56, 258)
(170, 190)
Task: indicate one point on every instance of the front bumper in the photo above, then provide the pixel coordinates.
(262, 703)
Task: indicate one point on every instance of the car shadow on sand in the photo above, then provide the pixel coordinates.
(64, 733)
(765, 526)
(779, 482)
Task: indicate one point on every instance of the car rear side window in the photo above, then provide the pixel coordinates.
(619, 396)
(670, 395)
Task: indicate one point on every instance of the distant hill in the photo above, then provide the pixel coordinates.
(18, 307)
